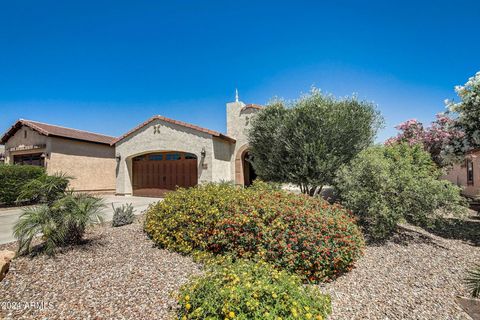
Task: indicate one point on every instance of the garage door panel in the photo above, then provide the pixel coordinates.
(155, 177)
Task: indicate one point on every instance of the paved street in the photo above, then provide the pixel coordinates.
(9, 216)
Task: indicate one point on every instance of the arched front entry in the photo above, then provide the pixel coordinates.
(244, 172)
(154, 174)
(249, 174)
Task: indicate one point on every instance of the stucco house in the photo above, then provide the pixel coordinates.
(86, 156)
(163, 153)
(2, 154)
(467, 174)
(158, 155)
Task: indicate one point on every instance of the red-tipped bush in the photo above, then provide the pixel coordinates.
(298, 233)
(301, 234)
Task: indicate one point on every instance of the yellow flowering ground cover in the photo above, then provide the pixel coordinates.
(250, 290)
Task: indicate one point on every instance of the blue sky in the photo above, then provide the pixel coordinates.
(106, 66)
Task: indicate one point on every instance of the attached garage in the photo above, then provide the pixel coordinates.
(156, 173)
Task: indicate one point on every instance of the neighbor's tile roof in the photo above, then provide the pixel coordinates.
(180, 123)
(57, 131)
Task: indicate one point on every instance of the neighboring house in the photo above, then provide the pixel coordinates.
(467, 174)
(86, 156)
(2, 154)
(163, 153)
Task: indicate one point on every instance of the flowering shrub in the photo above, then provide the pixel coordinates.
(443, 139)
(298, 233)
(186, 218)
(249, 290)
(302, 234)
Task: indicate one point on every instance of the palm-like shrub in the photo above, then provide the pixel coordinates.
(123, 215)
(45, 189)
(472, 281)
(63, 222)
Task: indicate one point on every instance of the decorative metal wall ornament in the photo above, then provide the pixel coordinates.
(156, 129)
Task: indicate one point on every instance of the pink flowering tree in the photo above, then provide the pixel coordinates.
(442, 139)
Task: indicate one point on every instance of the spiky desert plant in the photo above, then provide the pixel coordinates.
(472, 281)
(46, 188)
(62, 222)
(78, 210)
(123, 215)
(35, 221)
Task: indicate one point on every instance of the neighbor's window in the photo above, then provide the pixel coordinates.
(34, 159)
(25, 134)
(469, 172)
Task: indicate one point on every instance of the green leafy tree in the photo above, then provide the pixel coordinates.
(467, 111)
(304, 142)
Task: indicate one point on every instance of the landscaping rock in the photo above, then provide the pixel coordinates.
(5, 257)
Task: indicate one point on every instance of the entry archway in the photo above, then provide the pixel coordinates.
(244, 172)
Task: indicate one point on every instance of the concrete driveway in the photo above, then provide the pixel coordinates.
(9, 216)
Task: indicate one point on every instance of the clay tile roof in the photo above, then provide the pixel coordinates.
(58, 131)
(180, 123)
(252, 106)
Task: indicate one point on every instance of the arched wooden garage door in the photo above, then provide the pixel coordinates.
(156, 173)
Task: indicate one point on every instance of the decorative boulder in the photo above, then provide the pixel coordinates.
(5, 257)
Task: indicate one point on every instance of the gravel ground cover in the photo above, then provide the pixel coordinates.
(116, 274)
(415, 275)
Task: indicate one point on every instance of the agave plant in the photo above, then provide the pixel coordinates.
(62, 222)
(472, 281)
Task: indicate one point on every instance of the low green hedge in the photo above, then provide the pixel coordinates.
(250, 290)
(301, 234)
(13, 178)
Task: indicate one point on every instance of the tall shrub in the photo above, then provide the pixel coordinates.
(304, 142)
(384, 185)
(13, 178)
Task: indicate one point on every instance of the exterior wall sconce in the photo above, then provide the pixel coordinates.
(203, 153)
(118, 157)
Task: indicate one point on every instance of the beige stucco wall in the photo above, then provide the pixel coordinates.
(458, 176)
(172, 137)
(222, 158)
(91, 164)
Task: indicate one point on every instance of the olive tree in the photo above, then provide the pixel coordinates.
(305, 141)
